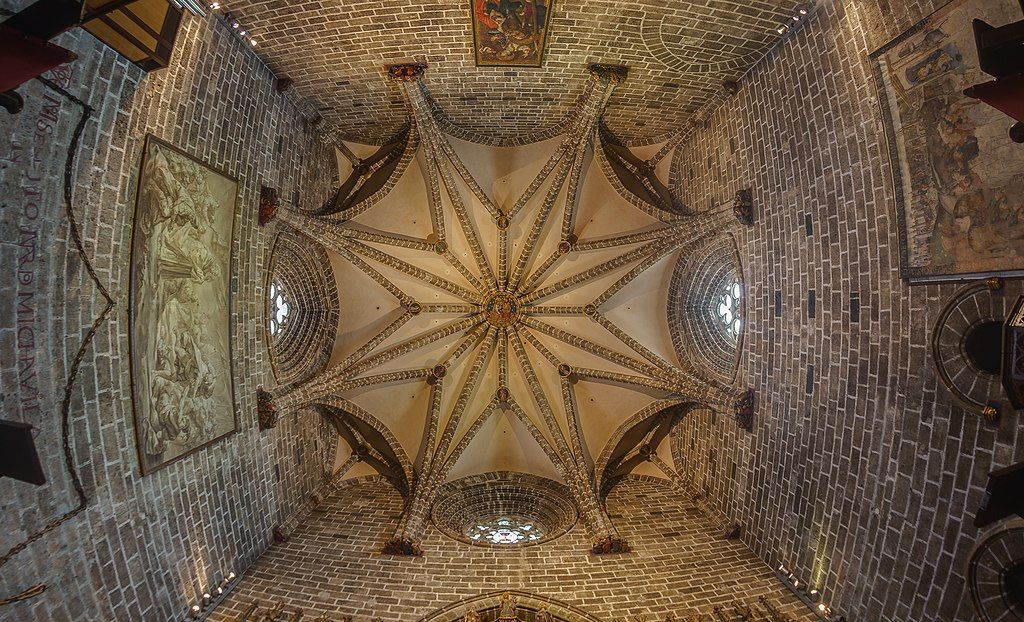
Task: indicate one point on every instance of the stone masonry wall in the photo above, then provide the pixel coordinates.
(332, 565)
(146, 547)
(861, 473)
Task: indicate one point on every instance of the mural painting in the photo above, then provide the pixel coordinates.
(179, 305)
(959, 179)
(510, 33)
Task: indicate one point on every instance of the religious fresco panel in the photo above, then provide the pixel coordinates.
(959, 179)
(510, 33)
(179, 305)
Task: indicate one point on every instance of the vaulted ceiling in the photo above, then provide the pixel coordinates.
(504, 309)
(679, 54)
(504, 263)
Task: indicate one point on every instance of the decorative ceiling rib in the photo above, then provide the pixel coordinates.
(516, 311)
(679, 54)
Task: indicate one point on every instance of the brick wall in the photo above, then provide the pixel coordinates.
(679, 53)
(681, 564)
(860, 472)
(146, 547)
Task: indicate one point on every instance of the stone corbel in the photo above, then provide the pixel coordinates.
(406, 72)
(270, 201)
(266, 412)
(745, 406)
(743, 206)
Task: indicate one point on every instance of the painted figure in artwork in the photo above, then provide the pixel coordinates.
(962, 180)
(507, 609)
(544, 615)
(510, 32)
(180, 305)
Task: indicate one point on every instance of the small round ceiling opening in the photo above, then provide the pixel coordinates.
(504, 510)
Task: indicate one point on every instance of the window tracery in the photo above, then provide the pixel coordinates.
(279, 309)
(504, 531)
(727, 309)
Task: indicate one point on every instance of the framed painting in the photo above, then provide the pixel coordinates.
(510, 33)
(959, 179)
(179, 329)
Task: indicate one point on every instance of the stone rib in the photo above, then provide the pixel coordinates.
(591, 273)
(538, 394)
(440, 307)
(386, 239)
(636, 346)
(625, 240)
(404, 348)
(415, 272)
(553, 310)
(589, 346)
(636, 271)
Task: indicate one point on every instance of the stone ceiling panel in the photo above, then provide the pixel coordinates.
(679, 53)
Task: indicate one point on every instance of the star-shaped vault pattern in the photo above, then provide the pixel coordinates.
(502, 305)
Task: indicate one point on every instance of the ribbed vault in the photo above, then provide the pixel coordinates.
(504, 308)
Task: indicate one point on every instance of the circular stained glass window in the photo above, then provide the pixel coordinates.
(504, 530)
(279, 309)
(728, 308)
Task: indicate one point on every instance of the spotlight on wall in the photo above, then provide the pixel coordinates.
(808, 595)
(212, 598)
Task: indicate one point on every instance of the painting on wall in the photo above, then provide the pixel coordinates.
(179, 305)
(959, 179)
(510, 33)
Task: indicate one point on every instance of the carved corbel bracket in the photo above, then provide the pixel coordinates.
(270, 201)
(406, 72)
(406, 547)
(266, 411)
(609, 545)
(743, 206)
(745, 406)
(616, 74)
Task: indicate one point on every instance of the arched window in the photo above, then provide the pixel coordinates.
(279, 309)
(727, 309)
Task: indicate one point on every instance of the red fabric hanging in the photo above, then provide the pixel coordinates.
(23, 57)
(1004, 94)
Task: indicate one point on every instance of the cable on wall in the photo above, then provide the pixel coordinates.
(69, 462)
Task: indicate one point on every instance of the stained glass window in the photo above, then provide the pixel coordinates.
(279, 309)
(728, 308)
(504, 531)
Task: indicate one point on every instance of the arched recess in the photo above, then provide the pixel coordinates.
(547, 506)
(702, 282)
(623, 452)
(635, 179)
(372, 178)
(301, 333)
(371, 441)
(527, 605)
